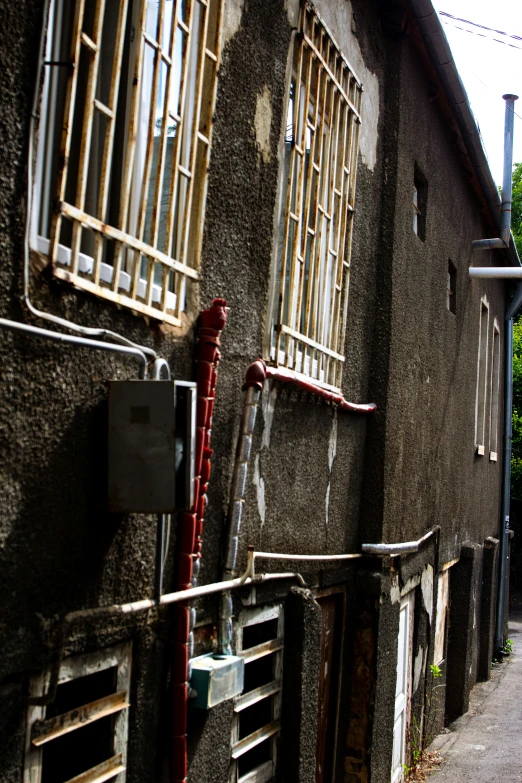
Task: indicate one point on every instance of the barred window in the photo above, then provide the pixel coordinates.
(82, 736)
(257, 710)
(313, 254)
(125, 133)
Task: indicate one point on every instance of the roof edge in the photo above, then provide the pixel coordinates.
(427, 20)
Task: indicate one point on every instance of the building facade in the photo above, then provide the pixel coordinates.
(313, 169)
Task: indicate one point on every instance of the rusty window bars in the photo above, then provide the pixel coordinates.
(135, 82)
(257, 711)
(59, 737)
(314, 246)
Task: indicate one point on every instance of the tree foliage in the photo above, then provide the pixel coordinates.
(516, 462)
(516, 207)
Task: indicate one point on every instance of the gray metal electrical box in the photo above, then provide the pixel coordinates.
(152, 434)
(216, 679)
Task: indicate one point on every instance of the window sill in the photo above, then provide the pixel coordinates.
(492, 456)
(86, 266)
(479, 451)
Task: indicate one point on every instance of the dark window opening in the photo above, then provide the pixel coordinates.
(78, 751)
(452, 288)
(81, 691)
(259, 633)
(255, 717)
(258, 673)
(419, 203)
(255, 757)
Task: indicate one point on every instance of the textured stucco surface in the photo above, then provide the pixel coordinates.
(319, 481)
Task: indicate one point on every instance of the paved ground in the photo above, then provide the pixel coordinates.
(485, 744)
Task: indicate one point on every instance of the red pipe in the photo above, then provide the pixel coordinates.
(258, 372)
(190, 524)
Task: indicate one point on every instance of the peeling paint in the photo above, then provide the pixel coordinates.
(332, 443)
(327, 503)
(395, 591)
(232, 13)
(410, 584)
(259, 484)
(263, 123)
(418, 667)
(427, 590)
(268, 401)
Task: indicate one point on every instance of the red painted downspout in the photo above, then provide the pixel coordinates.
(190, 525)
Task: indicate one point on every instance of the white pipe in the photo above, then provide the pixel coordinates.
(495, 271)
(404, 548)
(179, 596)
(278, 556)
(58, 337)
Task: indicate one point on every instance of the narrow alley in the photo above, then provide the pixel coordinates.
(484, 744)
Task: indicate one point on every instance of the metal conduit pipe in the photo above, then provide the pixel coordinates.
(143, 605)
(495, 272)
(84, 330)
(83, 342)
(255, 378)
(403, 548)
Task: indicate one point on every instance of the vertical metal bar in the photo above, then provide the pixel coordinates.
(195, 125)
(65, 145)
(85, 148)
(506, 489)
(132, 134)
(216, 7)
(156, 212)
(109, 135)
(174, 194)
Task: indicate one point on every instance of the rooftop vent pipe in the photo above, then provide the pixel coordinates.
(507, 189)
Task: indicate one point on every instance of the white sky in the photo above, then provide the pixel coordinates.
(488, 69)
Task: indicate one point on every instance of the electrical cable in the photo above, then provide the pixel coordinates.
(481, 35)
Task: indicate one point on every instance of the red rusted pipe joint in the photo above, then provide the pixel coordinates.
(255, 375)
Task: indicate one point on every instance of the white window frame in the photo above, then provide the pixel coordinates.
(149, 273)
(495, 388)
(312, 245)
(116, 704)
(482, 378)
(265, 772)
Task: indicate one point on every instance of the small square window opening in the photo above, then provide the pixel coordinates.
(419, 203)
(451, 300)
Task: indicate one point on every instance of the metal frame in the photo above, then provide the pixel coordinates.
(495, 389)
(314, 247)
(272, 690)
(148, 272)
(482, 379)
(39, 731)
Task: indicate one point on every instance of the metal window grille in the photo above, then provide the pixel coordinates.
(69, 733)
(313, 255)
(256, 723)
(134, 151)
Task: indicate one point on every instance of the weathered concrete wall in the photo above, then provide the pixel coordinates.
(320, 480)
(433, 353)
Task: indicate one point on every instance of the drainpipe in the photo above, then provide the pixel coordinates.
(190, 526)
(255, 378)
(502, 272)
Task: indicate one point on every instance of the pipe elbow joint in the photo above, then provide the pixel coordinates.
(255, 375)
